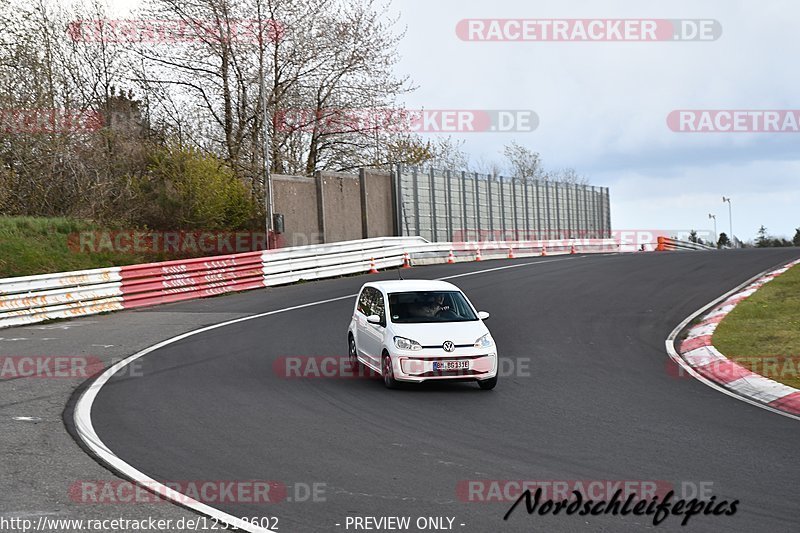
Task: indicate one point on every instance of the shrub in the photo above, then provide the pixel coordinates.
(186, 189)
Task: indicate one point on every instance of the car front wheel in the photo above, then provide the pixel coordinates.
(352, 353)
(388, 372)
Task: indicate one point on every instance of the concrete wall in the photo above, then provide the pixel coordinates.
(296, 199)
(342, 206)
(380, 208)
(333, 207)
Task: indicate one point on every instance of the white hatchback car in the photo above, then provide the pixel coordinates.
(430, 332)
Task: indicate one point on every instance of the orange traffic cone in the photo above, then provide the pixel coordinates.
(572, 250)
(544, 249)
(372, 268)
(511, 253)
(406, 260)
(478, 254)
(451, 258)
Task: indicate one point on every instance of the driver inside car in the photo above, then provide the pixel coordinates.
(434, 306)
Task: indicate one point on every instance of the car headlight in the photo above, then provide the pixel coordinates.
(406, 344)
(484, 342)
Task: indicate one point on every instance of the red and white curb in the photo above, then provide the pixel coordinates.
(699, 353)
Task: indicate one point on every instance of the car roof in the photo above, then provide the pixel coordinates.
(412, 285)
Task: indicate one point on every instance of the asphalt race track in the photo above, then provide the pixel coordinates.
(601, 402)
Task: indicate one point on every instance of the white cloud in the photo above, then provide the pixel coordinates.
(603, 106)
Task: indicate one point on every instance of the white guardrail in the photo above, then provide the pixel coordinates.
(34, 299)
(666, 244)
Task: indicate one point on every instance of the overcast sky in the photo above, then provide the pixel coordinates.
(603, 105)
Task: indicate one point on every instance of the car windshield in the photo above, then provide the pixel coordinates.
(430, 306)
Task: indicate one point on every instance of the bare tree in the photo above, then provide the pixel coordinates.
(524, 162)
(319, 76)
(569, 175)
(484, 165)
(320, 59)
(448, 153)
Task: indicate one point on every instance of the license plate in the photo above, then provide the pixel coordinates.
(451, 365)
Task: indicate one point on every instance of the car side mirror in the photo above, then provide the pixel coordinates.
(483, 315)
(374, 319)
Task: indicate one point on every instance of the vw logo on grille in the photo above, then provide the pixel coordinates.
(448, 346)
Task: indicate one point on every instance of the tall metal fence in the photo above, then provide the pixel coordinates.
(466, 206)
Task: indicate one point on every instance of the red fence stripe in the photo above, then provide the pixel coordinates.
(189, 293)
(173, 281)
(189, 265)
(194, 279)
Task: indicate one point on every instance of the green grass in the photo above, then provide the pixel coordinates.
(763, 332)
(34, 245)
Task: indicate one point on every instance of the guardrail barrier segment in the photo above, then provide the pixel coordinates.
(32, 299)
(667, 244)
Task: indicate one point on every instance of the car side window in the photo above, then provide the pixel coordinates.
(378, 307)
(364, 301)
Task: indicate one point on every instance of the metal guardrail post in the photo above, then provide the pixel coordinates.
(415, 187)
(477, 205)
(549, 214)
(449, 179)
(362, 186)
(526, 201)
(465, 229)
(514, 206)
(558, 212)
(320, 206)
(502, 206)
(432, 195)
(586, 223)
(491, 206)
(538, 209)
(394, 181)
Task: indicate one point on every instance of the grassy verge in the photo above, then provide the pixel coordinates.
(763, 332)
(33, 245)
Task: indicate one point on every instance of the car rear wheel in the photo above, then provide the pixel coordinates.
(388, 372)
(488, 384)
(352, 352)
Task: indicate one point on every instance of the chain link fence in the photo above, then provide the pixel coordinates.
(466, 206)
